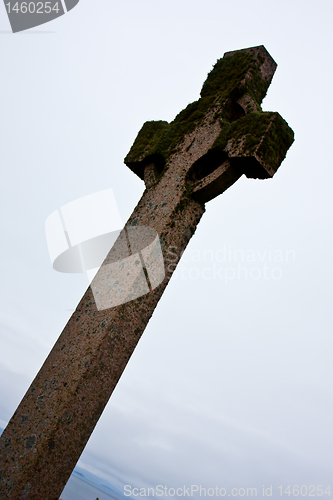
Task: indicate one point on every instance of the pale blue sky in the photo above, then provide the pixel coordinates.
(231, 384)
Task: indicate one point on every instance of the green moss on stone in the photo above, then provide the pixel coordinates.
(277, 142)
(250, 129)
(226, 77)
(266, 136)
(146, 141)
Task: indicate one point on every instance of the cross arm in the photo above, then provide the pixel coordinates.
(144, 149)
(255, 146)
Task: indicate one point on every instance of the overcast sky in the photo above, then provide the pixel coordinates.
(231, 383)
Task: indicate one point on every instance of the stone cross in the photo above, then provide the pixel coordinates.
(184, 164)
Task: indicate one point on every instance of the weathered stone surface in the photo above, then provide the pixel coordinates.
(184, 164)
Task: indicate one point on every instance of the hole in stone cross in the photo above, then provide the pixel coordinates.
(234, 111)
(206, 165)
